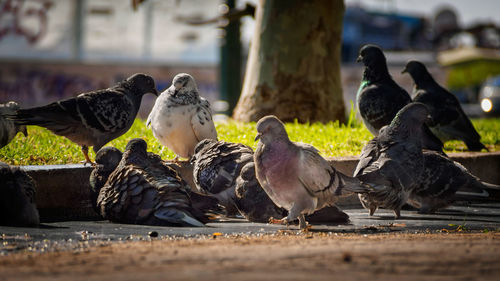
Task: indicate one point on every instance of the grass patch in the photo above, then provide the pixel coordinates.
(332, 139)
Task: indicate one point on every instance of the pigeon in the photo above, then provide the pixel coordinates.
(92, 118)
(216, 165)
(8, 129)
(449, 121)
(180, 118)
(17, 197)
(379, 97)
(251, 199)
(144, 190)
(443, 181)
(107, 159)
(226, 171)
(392, 162)
(294, 175)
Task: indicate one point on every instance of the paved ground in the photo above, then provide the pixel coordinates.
(71, 234)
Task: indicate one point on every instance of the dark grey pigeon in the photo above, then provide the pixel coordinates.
(8, 129)
(17, 197)
(107, 159)
(379, 97)
(444, 181)
(92, 118)
(251, 200)
(449, 121)
(392, 162)
(294, 175)
(144, 190)
(216, 165)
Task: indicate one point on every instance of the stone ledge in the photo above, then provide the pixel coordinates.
(63, 191)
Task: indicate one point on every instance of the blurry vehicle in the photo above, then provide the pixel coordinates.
(489, 96)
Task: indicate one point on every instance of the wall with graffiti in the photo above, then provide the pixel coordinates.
(33, 84)
(54, 49)
(109, 30)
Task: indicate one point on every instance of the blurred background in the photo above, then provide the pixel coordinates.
(52, 49)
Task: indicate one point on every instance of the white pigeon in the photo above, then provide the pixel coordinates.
(181, 118)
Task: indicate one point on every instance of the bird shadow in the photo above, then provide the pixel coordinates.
(432, 217)
(47, 226)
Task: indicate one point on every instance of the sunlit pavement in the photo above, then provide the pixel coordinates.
(79, 235)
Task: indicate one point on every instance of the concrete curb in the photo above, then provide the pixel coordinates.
(63, 191)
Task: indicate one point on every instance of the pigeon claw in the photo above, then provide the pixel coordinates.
(278, 221)
(85, 151)
(307, 228)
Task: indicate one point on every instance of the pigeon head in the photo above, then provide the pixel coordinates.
(183, 84)
(143, 83)
(417, 71)
(12, 107)
(136, 146)
(108, 157)
(202, 144)
(270, 128)
(371, 55)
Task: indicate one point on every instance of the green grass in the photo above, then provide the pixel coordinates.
(332, 139)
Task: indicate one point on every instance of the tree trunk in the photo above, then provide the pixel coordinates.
(293, 68)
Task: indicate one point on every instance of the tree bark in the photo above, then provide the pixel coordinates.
(293, 68)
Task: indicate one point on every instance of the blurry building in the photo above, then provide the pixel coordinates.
(52, 49)
(391, 31)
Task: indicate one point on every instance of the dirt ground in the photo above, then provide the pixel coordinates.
(285, 255)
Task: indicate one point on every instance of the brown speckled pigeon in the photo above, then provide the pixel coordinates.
(107, 159)
(144, 190)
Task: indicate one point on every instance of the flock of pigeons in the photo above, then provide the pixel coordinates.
(281, 182)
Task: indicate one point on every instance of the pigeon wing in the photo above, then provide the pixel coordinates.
(89, 114)
(202, 123)
(368, 155)
(315, 173)
(379, 103)
(443, 111)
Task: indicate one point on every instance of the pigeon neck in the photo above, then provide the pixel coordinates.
(185, 97)
(405, 130)
(423, 80)
(376, 73)
(134, 93)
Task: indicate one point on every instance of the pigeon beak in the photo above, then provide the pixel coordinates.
(359, 59)
(178, 86)
(257, 137)
(156, 92)
(404, 71)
